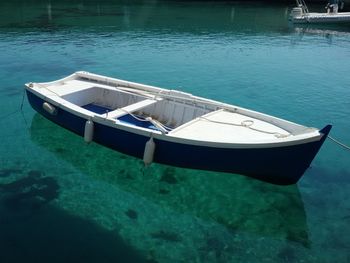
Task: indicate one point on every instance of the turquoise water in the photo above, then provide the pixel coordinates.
(62, 200)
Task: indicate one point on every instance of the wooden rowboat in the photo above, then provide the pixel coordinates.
(177, 128)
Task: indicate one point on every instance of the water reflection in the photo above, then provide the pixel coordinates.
(161, 16)
(192, 17)
(49, 11)
(327, 32)
(240, 204)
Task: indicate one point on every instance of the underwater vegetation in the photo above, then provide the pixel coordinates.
(30, 192)
(168, 176)
(34, 229)
(8, 172)
(132, 214)
(166, 235)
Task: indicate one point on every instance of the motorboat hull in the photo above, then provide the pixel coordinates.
(320, 18)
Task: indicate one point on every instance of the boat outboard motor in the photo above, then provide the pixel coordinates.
(296, 12)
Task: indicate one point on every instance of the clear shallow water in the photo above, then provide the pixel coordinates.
(63, 200)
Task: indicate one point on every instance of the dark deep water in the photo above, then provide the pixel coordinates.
(62, 200)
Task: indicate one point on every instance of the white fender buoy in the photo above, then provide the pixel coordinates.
(89, 131)
(148, 154)
(49, 108)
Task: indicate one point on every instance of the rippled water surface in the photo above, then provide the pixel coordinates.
(62, 200)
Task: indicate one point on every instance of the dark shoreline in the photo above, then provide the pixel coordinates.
(238, 1)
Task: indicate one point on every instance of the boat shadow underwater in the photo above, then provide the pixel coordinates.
(241, 204)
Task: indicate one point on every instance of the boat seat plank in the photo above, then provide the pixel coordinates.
(130, 108)
(68, 87)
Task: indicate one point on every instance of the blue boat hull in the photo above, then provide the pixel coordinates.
(278, 165)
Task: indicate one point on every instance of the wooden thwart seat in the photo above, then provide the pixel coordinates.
(129, 109)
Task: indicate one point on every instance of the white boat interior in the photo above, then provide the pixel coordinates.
(166, 112)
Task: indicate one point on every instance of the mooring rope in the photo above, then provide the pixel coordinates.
(132, 115)
(21, 110)
(15, 111)
(24, 93)
(155, 122)
(44, 87)
(339, 143)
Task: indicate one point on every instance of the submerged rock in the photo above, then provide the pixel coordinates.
(30, 192)
(8, 172)
(166, 235)
(169, 177)
(132, 214)
(164, 191)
